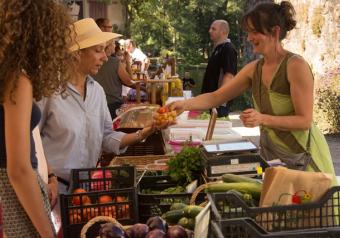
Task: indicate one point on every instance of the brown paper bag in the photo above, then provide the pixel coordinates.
(278, 187)
(280, 180)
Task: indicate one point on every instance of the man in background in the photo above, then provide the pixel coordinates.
(104, 24)
(188, 82)
(137, 55)
(222, 64)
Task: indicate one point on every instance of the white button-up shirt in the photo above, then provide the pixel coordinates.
(74, 131)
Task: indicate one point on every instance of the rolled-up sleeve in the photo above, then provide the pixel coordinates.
(112, 139)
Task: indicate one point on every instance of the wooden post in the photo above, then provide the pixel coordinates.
(211, 126)
(153, 93)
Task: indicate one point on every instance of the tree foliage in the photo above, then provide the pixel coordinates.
(180, 26)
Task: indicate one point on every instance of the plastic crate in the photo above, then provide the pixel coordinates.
(157, 204)
(153, 145)
(113, 178)
(123, 208)
(236, 219)
(246, 228)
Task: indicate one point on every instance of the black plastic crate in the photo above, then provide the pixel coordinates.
(112, 178)
(153, 145)
(242, 163)
(247, 228)
(77, 210)
(157, 204)
(236, 219)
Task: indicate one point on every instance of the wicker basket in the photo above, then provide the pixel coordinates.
(95, 220)
(139, 161)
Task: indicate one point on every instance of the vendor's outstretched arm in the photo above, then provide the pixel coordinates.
(228, 91)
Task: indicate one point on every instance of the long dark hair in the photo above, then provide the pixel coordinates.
(265, 15)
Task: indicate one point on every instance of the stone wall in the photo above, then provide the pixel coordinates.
(317, 35)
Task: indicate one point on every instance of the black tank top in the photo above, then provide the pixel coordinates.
(35, 118)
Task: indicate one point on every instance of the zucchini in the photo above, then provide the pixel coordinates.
(173, 216)
(251, 188)
(233, 178)
(246, 197)
(177, 206)
(192, 211)
(188, 223)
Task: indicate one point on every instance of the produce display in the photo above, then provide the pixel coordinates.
(183, 215)
(108, 205)
(155, 227)
(163, 116)
(186, 166)
(247, 189)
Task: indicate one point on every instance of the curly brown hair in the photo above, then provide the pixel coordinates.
(35, 36)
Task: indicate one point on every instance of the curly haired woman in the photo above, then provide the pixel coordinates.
(34, 60)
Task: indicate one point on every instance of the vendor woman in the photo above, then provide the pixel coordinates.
(76, 125)
(282, 89)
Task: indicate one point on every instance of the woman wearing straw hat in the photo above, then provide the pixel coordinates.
(76, 126)
(34, 62)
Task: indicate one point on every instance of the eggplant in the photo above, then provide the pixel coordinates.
(138, 230)
(176, 231)
(110, 230)
(156, 233)
(157, 222)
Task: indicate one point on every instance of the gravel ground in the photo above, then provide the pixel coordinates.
(333, 141)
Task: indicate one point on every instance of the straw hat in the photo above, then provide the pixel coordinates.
(89, 34)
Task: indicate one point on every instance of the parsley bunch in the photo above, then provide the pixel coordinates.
(186, 166)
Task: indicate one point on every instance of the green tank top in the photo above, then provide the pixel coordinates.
(276, 100)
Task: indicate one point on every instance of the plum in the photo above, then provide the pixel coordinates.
(110, 230)
(156, 233)
(157, 222)
(138, 230)
(176, 231)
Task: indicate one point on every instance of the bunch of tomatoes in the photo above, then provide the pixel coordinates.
(164, 116)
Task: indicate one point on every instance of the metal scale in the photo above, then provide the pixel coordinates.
(236, 157)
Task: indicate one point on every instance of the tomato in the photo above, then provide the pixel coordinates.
(162, 110)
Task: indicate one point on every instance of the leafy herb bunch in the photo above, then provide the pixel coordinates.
(186, 166)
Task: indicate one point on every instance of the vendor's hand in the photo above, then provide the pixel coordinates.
(52, 190)
(178, 106)
(251, 118)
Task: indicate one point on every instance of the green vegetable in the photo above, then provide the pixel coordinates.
(206, 116)
(177, 189)
(173, 216)
(186, 166)
(177, 206)
(188, 223)
(192, 211)
(246, 197)
(233, 178)
(251, 188)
